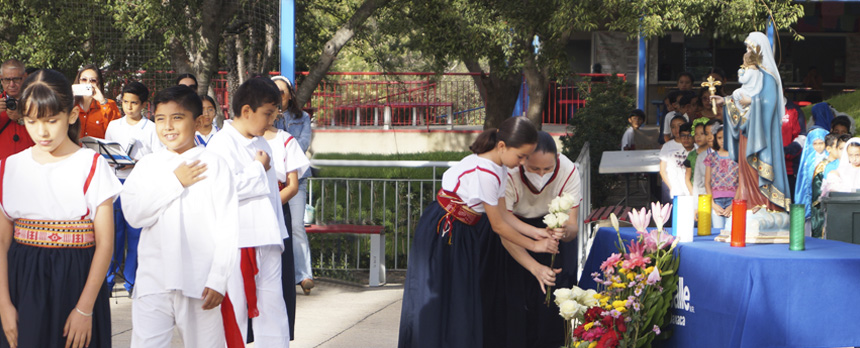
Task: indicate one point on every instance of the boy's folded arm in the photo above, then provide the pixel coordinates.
(146, 193)
(251, 181)
(226, 204)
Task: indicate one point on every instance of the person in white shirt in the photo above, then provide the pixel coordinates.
(672, 157)
(136, 135)
(289, 163)
(184, 200)
(206, 127)
(261, 219)
(635, 119)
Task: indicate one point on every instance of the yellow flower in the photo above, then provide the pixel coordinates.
(630, 276)
(619, 303)
(623, 271)
(592, 345)
(621, 309)
(649, 270)
(588, 326)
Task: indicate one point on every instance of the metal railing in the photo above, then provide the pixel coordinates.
(395, 204)
(583, 163)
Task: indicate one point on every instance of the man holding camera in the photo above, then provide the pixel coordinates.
(13, 136)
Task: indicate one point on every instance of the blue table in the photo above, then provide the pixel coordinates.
(762, 295)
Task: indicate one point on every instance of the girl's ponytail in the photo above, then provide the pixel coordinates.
(486, 141)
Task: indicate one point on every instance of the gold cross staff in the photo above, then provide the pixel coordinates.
(712, 87)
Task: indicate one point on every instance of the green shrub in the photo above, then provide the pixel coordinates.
(601, 123)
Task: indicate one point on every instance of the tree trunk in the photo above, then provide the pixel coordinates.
(200, 56)
(538, 83)
(499, 92)
(333, 46)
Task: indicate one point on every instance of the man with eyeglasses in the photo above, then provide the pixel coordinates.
(13, 136)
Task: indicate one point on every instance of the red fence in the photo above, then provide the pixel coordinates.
(354, 99)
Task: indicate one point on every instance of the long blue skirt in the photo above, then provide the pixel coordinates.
(441, 297)
(45, 285)
(515, 314)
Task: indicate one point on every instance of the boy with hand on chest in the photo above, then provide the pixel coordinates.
(183, 197)
(255, 286)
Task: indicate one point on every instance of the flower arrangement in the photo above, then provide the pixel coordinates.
(559, 213)
(637, 286)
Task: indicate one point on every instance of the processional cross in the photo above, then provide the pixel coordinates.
(712, 87)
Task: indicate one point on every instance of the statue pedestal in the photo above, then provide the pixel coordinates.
(762, 227)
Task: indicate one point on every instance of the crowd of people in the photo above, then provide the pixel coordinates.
(694, 159)
(205, 229)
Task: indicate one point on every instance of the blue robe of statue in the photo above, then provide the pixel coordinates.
(763, 155)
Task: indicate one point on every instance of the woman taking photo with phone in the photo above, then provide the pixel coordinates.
(96, 111)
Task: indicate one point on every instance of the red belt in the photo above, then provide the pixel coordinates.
(456, 209)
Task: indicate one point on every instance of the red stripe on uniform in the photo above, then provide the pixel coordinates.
(288, 141)
(472, 170)
(89, 180)
(560, 192)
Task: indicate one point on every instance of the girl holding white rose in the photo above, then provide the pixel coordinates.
(526, 320)
(442, 304)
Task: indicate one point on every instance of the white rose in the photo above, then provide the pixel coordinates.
(566, 202)
(576, 294)
(555, 205)
(568, 309)
(561, 295)
(561, 218)
(551, 220)
(588, 299)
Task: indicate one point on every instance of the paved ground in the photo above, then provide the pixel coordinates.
(334, 315)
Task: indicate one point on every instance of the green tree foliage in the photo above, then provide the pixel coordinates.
(601, 123)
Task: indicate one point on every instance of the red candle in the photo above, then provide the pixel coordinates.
(739, 223)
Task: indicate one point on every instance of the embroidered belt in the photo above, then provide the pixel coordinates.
(456, 209)
(76, 234)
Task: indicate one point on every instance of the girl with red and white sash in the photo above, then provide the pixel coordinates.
(442, 305)
(56, 237)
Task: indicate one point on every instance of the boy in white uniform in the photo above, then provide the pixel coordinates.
(184, 199)
(137, 136)
(262, 231)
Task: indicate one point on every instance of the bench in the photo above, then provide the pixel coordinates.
(602, 213)
(377, 245)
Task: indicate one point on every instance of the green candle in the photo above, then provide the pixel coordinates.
(798, 218)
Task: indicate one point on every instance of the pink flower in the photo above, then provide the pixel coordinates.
(654, 277)
(660, 214)
(635, 257)
(608, 266)
(639, 219)
(656, 240)
(656, 329)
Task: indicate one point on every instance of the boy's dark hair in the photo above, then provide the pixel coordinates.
(703, 90)
(47, 93)
(686, 127)
(678, 117)
(545, 143)
(183, 95)
(673, 96)
(688, 75)
(712, 122)
(515, 132)
(686, 99)
(840, 120)
(830, 139)
(254, 93)
(638, 113)
(137, 89)
(843, 138)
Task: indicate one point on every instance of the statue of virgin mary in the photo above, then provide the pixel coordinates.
(754, 138)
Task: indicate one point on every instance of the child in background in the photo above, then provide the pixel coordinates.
(259, 294)
(721, 179)
(635, 119)
(814, 152)
(672, 157)
(674, 97)
(137, 136)
(843, 138)
(846, 178)
(289, 163)
(56, 237)
(205, 123)
(442, 297)
(832, 144)
(840, 125)
(695, 180)
(184, 199)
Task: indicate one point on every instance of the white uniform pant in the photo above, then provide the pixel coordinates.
(301, 246)
(272, 327)
(153, 318)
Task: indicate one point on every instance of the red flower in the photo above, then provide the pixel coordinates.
(609, 340)
(593, 314)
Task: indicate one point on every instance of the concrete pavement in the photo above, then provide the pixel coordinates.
(334, 315)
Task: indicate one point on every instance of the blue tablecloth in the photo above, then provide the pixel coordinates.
(762, 295)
